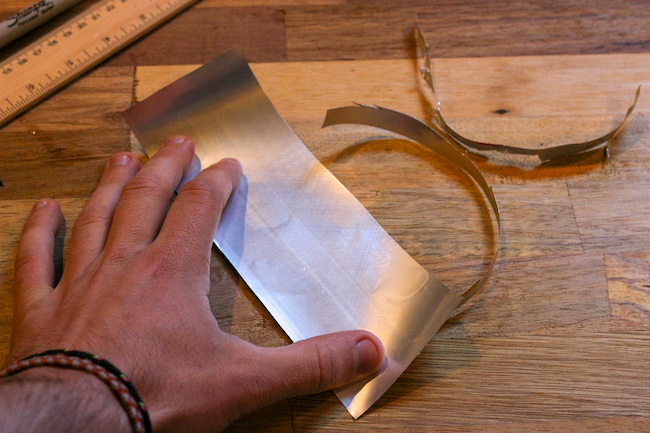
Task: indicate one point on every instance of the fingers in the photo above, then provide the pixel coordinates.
(193, 218)
(322, 363)
(34, 265)
(145, 198)
(94, 221)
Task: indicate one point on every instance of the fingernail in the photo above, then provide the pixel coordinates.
(368, 356)
(120, 159)
(40, 204)
(176, 139)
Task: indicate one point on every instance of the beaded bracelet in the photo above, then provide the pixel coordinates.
(118, 383)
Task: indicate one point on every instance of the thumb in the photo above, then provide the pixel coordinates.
(325, 362)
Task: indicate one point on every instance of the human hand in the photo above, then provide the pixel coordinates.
(134, 291)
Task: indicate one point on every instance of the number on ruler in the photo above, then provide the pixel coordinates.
(34, 73)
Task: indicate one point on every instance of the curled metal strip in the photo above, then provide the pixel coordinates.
(417, 131)
(441, 126)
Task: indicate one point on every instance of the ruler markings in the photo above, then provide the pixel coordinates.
(76, 46)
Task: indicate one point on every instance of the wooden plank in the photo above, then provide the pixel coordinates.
(258, 31)
(60, 147)
(555, 27)
(336, 29)
(529, 86)
(628, 287)
(613, 215)
(541, 295)
(543, 383)
(372, 29)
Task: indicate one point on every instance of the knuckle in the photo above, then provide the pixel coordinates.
(117, 255)
(142, 185)
(92, 216)
(183, 253)
(166, 262)
(201, 190)
(24, 257)
(325, 366)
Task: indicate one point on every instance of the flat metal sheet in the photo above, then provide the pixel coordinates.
(312, 254)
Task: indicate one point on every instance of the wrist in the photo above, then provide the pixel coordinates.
(114, 379)
(48, 399)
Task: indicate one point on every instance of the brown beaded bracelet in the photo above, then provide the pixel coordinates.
(118, 383)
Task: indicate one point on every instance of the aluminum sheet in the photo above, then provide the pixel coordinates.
(313, 255)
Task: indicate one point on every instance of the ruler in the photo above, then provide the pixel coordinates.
(74, 47)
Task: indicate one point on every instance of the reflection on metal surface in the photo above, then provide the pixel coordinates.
(307, 248)
(544, 155)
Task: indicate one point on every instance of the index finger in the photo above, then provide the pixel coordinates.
(190, 224)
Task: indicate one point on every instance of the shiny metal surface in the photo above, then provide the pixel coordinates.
(306, 247)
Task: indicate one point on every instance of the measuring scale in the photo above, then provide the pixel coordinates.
(74, 47)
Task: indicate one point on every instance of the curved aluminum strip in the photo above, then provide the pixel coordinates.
(420, 133)
(441, 126)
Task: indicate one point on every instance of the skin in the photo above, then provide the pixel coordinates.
(134, 291)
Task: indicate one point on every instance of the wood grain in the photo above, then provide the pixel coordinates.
(536, 383)
(220, 31)
(59, 147)
(370, 29)
(558, 341)
(270, 30)
(628, 289)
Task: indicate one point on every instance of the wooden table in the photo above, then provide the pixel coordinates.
(558, 341)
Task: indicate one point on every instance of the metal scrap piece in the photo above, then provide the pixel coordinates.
(441, 126)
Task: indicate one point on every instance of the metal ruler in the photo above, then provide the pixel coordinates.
(74, 47)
